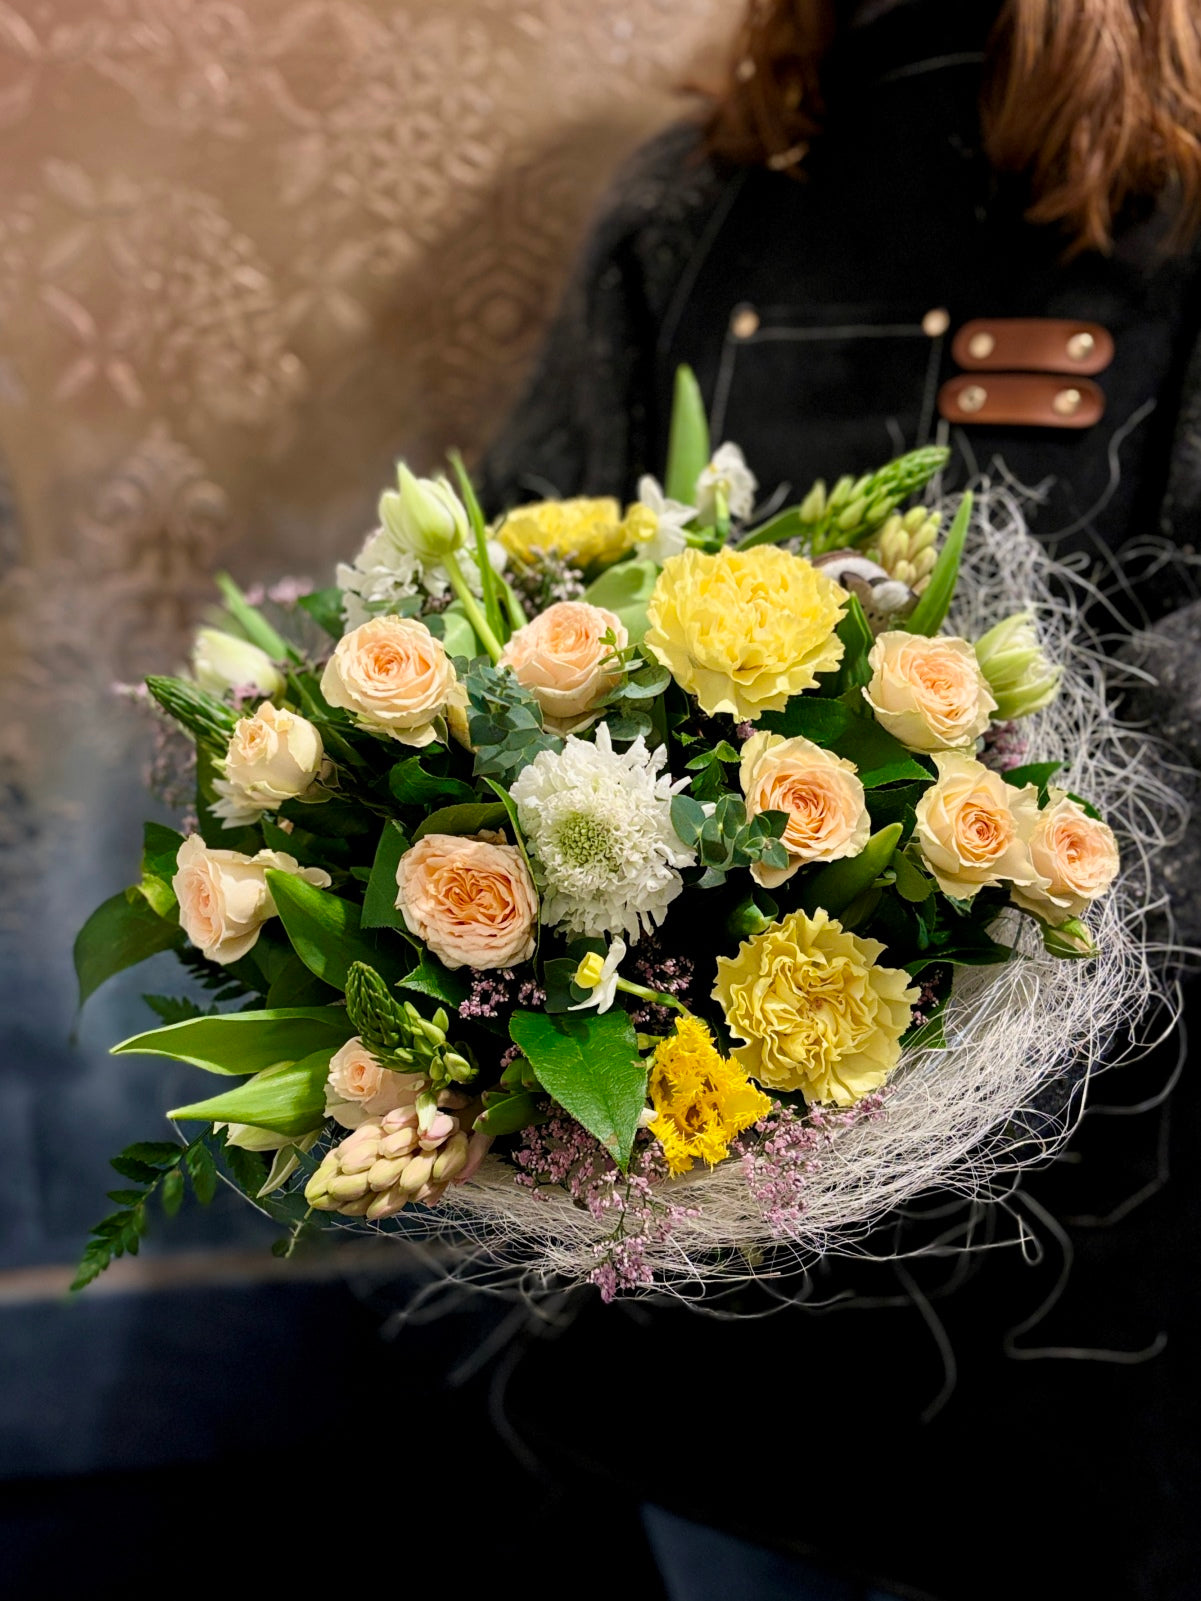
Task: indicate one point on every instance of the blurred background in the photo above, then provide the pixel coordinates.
(249, 253)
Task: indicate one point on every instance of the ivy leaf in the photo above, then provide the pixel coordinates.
(590, 1065)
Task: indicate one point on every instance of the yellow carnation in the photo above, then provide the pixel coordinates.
(586, 533)
(701, 1100)
(743, 630)
(818, 1015)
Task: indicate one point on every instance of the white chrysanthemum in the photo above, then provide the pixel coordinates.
(384, 574)
(598, 826)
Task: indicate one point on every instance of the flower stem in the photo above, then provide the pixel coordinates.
(657, 997)
(470, 605)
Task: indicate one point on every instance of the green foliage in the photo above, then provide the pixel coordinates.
(1039, 774)
(160, 846)
(252, 622)
(462, 819)
(237, 1043)
(324, 606)
(411, 785)
(505, 723)
(857, 640)
(688, 449)
(928, 615)
(494, 614)
(709, 765)
(725, 839)
(120, 933)
(838, 884)
(155, 1168)
(625, 590)
(284, 1100)
(591, 1066)
(379, 903)
(326, 932)
(847, 727)
(440, 983)
(173, 1008)
(209, 720)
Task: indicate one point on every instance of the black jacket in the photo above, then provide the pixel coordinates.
(1041, 1477)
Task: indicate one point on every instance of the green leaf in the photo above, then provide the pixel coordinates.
(878, 757)
(429, 977)
(493, 614)
(324, 606)
(912, 884)
(982, 953)
(411, 785)
(688, 449)
(157, 1154)
(786, 525)
(247, 1168)
(379, 903)
(244, 1042)
(626, 590)
(857, 638)
(294, 985)
(458, 636)
(837, 884)
(687, 818)
(1039, 774)
(325, 931)
(252, 622)
(591, 1067)
(160, 847)
(202, 1171)
(511, 1113)
(289, 1100)
(171, 1193)
(927, 616)
(462, 819)
(120, 933)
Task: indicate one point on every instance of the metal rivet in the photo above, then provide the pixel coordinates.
(935, 323)
(1067, 402)
(972, 398)
(744, 322)
(1081, 346)
(981, 346)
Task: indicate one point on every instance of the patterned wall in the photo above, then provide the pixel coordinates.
(252, 249)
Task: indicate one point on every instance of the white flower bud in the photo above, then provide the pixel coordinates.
(425, 517)
(1019, 673)
(221, 662)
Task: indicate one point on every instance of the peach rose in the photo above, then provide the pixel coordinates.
(223, 896)
(558, 658)
(393, 675)
(360, 1088)
(928, 693)
(473, 903)
(821, 793)
(273, 757)
(1075, 857)
(973, 829)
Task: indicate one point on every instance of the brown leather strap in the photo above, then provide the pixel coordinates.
(1020, 399)
(1032, 344)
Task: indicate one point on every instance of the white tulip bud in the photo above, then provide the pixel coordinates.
(425, 517)
(221, 662)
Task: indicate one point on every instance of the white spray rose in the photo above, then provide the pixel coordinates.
(273, 757)
(223, 896)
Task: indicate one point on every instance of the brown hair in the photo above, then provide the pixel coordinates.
(1098, 102)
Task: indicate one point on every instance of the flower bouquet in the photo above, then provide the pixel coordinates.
(636, 896)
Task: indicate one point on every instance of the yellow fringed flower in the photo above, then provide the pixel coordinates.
(586, 533)
(743, 630)
(817, 1013)
(702, 1100)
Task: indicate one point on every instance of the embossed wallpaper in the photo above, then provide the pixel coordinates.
(250, 251)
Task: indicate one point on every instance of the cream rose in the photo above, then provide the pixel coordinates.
(929, 693)
(1075, 857)
(393, 675)
(821, 792)
(273, 756)
(559, 657)
(360, 1088)
(973, 829)
(223, 896)
(473, 903)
